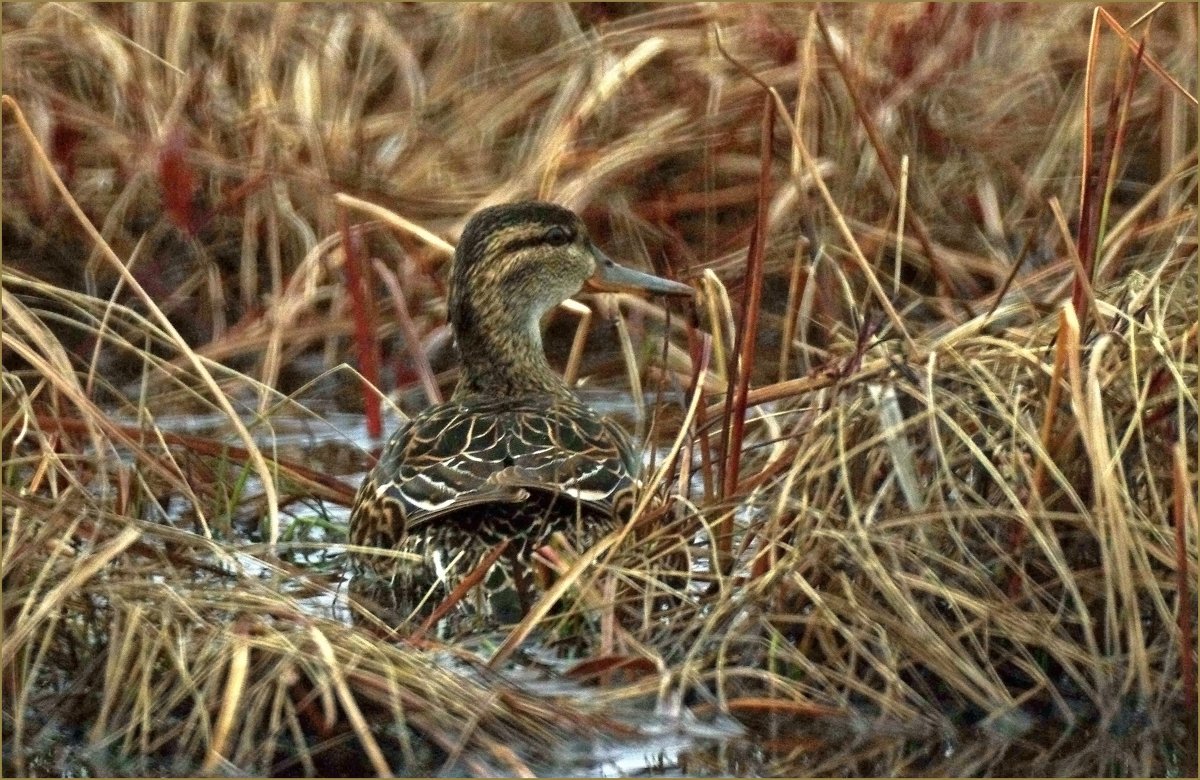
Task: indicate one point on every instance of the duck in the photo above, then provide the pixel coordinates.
(514, 455)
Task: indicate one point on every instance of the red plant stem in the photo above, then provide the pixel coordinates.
(1037, 487)
(362, 306)
(1096, 174)
(179, 181)
(1122, 126)
(747, 337)
(1162, 412)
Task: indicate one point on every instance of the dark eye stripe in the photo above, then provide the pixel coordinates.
(519, 244)
(539, 238)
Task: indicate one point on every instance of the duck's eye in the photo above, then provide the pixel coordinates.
(558, 236)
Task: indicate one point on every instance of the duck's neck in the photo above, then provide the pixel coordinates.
(500, 348)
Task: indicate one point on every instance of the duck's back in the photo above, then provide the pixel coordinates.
(474, 472)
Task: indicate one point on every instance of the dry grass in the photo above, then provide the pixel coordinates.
(935, 514)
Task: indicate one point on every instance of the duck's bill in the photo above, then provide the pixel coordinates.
(610, 277)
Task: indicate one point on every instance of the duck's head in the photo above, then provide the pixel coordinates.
(513, 264)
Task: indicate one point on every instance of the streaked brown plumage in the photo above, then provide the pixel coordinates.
(514, 455)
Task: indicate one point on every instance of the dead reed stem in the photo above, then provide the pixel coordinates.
(362, 307)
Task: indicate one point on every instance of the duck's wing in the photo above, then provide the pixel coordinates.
(458, 455)
(565, 448)
(438, 461)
